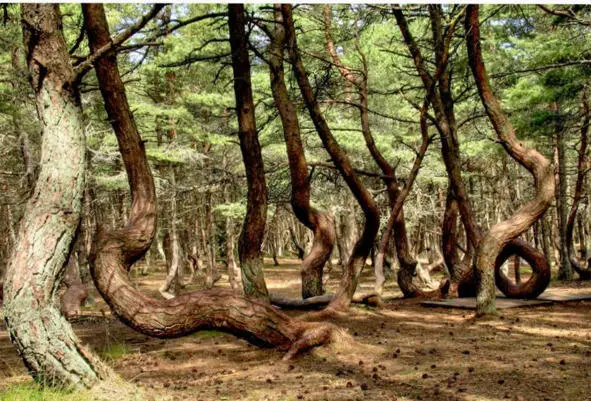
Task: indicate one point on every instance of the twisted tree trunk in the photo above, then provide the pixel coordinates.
(44, 339)
(115, 252)
(362, 247)
(396, 223)
(321, 224)
(501, 233)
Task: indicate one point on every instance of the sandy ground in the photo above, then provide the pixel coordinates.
(404, 351)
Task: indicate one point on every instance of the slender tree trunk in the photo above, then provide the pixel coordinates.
(230, 259)
(319, 222)
(251, 236)
(44, 339)
(565, 271)
(172, 284)
(74, 290)
(582, 271)
(362, 247)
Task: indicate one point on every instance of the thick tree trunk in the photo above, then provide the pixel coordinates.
(251, 236)
(44, 339)
(319, 222)
(115, 252)
(362, 247)
(501, 233)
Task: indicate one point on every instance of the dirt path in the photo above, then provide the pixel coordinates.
(406, 352)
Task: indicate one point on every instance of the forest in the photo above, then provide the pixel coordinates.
(295, 202)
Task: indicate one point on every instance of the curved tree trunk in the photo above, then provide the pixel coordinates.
(44, 339)
(251, 236)
(114, 252)
(540, 168)
(583, 271)
(445, 122)
(398, 225)
(319, 222)
(362, 247)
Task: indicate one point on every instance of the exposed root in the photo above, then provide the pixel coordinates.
(314, 335)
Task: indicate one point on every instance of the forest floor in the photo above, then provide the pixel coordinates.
(406, 352)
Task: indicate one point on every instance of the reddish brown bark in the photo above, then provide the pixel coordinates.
(319, 222)
(540, 168)
(396, 224)
(115, 252)
(253, 229)
(537, 282)
(341, 161)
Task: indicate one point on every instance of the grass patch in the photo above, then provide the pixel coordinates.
(115, 351)
(35, 392)
(111, 389)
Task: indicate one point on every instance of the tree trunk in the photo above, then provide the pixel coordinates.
(502, 232)
(74, 292)
(115, 252)
(44, 339)
(565, 271)
(230, 259)
(582, 271)
(319, 222)
(253, 230)
(362, 247)
(172, 284)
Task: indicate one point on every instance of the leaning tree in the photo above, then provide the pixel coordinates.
(115, 252)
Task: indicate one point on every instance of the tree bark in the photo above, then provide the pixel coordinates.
(502, 232)
(74, 290)
(565, 271)
(251, 236)
(115, 252)
(582, 271)
(172, 284)
(44, 339)
(362, 247)
(397, 226)
(319, 222)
